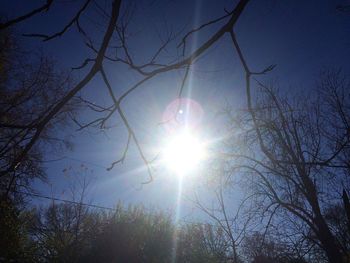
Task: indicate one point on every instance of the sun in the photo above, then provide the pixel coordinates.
(183, 152)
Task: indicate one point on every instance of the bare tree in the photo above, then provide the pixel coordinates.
(27, 91)
(293, 159)
(62, 230)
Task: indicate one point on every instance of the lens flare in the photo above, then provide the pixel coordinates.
(180, 113)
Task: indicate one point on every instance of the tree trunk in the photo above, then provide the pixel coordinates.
(347, 208)
(325, 236)
(328, 241)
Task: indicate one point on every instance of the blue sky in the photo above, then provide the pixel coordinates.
(300, 37)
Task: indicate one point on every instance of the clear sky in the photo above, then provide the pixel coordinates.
(300, 37)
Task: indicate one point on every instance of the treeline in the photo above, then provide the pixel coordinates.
(64, 232)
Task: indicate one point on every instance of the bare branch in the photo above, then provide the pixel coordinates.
(85, 63)
(75, 20)
(95, 68)
(129, 128)
(19, 19)
(183, 41)
(121, 160)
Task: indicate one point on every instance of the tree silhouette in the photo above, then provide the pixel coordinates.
(294, 156)
(30, 85)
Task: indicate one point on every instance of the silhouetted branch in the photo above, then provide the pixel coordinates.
(75, 20)
(121, 160)
(129, 128)
(183, 41)
(95, 68)
(16, 20)
(85, 63)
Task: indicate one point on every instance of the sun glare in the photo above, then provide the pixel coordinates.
(183, 153)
